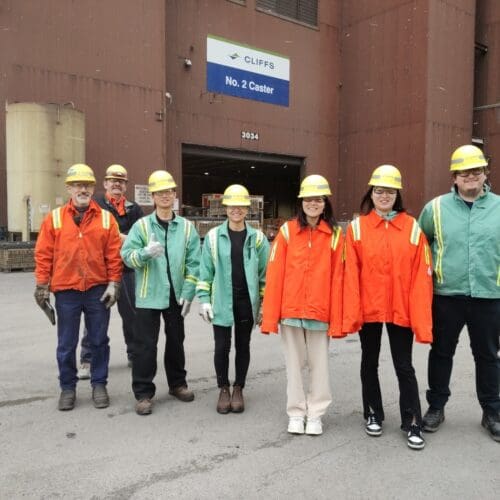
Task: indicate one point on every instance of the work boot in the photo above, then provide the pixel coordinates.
(182, 393)
(491, 422)
(224, 403)
(100, 396)
(144, 407)
(84, 371)
(433, 419)
(237, 403)
(67, 399)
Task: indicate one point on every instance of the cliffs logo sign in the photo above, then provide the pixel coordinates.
(242, 71)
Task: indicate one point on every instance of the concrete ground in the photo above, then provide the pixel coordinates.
(187, 450)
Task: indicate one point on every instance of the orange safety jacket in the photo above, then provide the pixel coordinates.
(304, 277)
(388, 275)
(71, 257)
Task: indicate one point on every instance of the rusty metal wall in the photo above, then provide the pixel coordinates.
(450, 89)
(406, 93)
(307, 128)
(487, 85)
(105, 59)
(378, 81)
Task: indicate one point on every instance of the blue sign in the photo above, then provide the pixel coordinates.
(242, 71)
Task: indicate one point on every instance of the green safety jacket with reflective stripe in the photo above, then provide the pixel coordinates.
(215, 284)
(465, 244)
(152, 289)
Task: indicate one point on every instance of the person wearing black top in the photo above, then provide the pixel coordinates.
(126, 213)
(230, 289)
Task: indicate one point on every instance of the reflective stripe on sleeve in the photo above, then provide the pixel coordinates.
(356, 229)
(56, 218)
(415, 233)
(336, 238)
(436, 213)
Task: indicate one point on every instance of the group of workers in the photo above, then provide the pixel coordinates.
(424, 279)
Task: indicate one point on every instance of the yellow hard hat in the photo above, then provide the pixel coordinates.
(116, 172)
(386, 176)
(80, 173)
(236, 195)
(467, 157)
(314, 185)
(160, 180)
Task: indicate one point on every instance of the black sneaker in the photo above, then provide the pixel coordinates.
(415, 439)
(432, 419)
(373, 425)
(491, 422)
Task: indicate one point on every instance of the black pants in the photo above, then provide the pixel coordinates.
(146, 348)
(243, 324)
(126, 308)
(482, 317)
(401, 342)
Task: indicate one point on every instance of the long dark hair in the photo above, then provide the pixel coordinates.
(327, 214)
(367, 203)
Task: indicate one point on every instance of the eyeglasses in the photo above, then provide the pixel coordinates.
(473, 171)
(81, 185)
(165, 192)
(380, 191)
(117, 181)
(318, 200)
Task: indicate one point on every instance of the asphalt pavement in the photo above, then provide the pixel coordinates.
(187, 450)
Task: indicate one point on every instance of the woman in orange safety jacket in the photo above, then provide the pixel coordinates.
(388, 279)
(304, 293)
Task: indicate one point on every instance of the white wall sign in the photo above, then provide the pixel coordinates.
(142, 196)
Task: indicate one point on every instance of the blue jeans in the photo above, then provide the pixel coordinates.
(69, 306)
(126, 308)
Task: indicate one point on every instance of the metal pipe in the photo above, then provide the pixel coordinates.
(487, 106)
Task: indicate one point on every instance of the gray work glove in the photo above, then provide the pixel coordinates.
(154, 248)
(206, 312)
(111, 294)
(186, 306)
(42, 294)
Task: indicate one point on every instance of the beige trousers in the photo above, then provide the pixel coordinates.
(306, 348)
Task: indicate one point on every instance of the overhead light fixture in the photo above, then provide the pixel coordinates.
(284, 166)
(252, 166)
(206, 173)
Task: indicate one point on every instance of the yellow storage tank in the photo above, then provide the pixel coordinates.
(43, 141)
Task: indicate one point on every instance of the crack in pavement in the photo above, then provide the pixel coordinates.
(194, 467)
(23, 401)
(268, 480)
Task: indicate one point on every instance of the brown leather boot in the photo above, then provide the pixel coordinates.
(224, 403)
(237, 403)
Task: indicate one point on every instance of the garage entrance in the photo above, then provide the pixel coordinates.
(207, 171)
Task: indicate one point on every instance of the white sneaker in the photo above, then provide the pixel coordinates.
(373, 425)
(314, 426)
(415, 439)
(84, 371)
(296, 425)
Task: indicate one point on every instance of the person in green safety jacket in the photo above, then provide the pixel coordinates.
(230, 291)
(164, 250)
(463, 230)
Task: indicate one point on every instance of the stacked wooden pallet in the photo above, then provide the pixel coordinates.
(17, 256)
